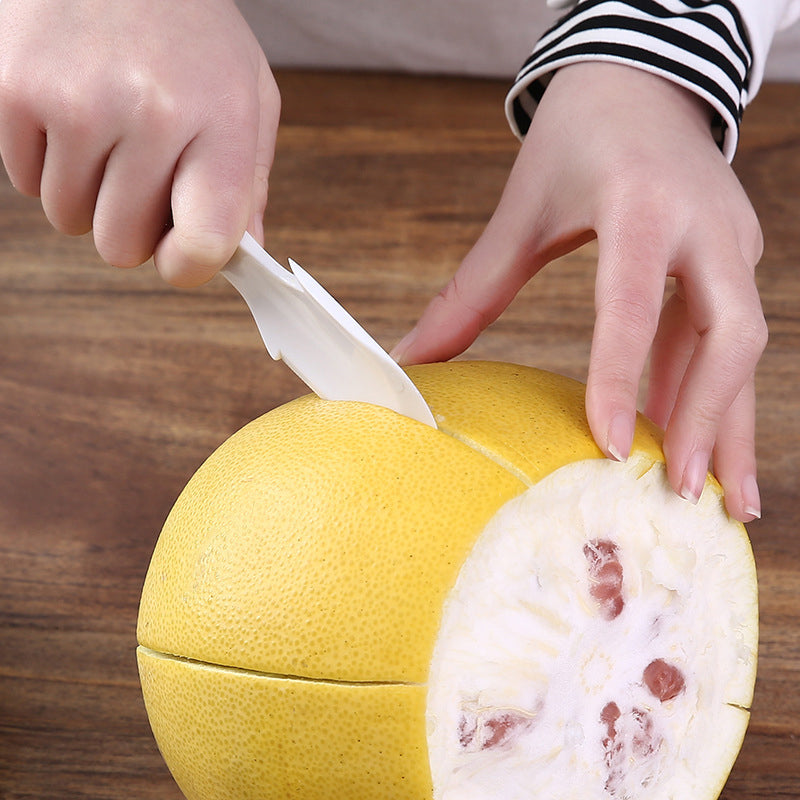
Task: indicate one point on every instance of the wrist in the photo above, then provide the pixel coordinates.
(706, 51)
(631, 97)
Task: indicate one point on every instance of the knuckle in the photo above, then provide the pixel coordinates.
(15, 74)
(455, 307)
(455, 298)
(704, 419)
(611, 383)
(77, 119)
(11, 93)
(746, 334)
(753, 334)
(236, 106)
(636, 194)
(152, 105)
(740, 440)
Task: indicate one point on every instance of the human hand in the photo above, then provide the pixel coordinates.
(151, 123)
(627, 156)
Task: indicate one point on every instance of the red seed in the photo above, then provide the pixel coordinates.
(501, 727)
(610, 713)
(479, 731)
(605, 575)
(628, 737)
(602, 548)
(608, 716)
(610, 575)
(612, 748)
(663, 680)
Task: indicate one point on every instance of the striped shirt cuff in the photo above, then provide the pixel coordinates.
(697, 44)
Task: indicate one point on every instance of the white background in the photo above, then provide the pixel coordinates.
(474, 37)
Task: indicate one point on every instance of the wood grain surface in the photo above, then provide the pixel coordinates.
(114, 387)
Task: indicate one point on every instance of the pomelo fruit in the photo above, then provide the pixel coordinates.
(345, 603)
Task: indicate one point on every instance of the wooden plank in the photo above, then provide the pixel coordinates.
(114, 388)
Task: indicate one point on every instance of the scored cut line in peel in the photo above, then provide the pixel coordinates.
(423, 613)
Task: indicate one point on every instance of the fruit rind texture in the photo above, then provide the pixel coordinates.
(228, 733)
(295, 596)
(320, 541)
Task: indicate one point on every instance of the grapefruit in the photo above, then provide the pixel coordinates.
(345, 603)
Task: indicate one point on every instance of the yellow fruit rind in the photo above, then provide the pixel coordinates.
(231, 734)
(320, 542)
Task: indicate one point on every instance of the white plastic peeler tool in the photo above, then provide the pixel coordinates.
(316, 338)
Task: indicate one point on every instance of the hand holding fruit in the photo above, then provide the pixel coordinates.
(629, 157)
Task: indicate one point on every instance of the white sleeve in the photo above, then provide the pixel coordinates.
(715, 48)
(762, 19)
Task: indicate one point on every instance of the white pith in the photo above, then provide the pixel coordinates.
(522, 635)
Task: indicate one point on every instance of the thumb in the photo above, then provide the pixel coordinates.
(211, 207)
(220, 187)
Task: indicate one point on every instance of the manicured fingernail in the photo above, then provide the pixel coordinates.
(620, 436)
(400, 349)
(694, 477)
(751, 498)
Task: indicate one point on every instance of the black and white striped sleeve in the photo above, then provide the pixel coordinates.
(702, 45)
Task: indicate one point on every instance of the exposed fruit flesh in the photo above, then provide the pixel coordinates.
(300, 580)
(598, 662)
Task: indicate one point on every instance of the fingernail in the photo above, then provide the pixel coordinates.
(620, 436)
(399, 350)
(751, 498)
(694, 477)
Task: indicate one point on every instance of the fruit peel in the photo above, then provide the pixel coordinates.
(314, 556)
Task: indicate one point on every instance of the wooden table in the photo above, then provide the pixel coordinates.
(114, 387)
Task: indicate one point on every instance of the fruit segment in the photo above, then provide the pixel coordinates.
(228, 733)
(320, 541)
